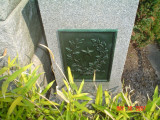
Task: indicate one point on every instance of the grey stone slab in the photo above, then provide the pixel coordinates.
(154, 58)
(90, 14)
(6, 7)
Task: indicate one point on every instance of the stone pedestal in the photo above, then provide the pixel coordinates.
(90, 14)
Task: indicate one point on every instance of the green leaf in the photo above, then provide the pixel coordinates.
(125, 99)
(99, 107)
(110, 114)
(80, 95)
(155, 96)
(68, 116)
(20, 111)
(107, 97)
(61, 106)
(29, 84)
(4, 69)
(41, 117)
(34, 72)
(99, 96)
(81, 87)
(13, 105)
(83, 98)
(47, 88)
(1, 78)
(47, 103)
(66, 83)
(74, 86)
(97, 118)
(6, 99)
(156, 114)
(52, 118)
(70, 76)
(12, 77)
(119, 117)
(62, 96)
(79, 106)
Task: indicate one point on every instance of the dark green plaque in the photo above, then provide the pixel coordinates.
(86, 51)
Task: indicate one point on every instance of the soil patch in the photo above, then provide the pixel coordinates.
(139, 74)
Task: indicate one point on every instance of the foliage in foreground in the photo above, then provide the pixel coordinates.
(147, 27)
(25, 100)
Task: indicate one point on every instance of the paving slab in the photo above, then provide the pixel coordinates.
(154, 58)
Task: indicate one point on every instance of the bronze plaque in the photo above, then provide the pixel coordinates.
(86, 51)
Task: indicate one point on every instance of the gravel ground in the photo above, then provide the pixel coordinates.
(139, 74)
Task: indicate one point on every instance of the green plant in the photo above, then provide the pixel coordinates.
(20, 96)
(72, 96)
(146, 29)
(22, 99)
(152, 111)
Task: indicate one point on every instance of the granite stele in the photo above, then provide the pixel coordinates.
(89, 36)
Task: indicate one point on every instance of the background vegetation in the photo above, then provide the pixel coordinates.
(147, 23)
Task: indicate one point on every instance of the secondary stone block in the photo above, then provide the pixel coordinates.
(6, 7)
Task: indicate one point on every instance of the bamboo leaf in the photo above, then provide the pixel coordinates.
(70, 76)
(83, 98)
(81, 87)
(99, 96)
(99, 107)
(20, 111)
(6, 99)
(125, 99)
(155, 96)
(80, 95)
(119, 117)
(34, 72)
(30, 84)
(62, 96)
(68, 115)
(12, 77)
(47, 103)
(68, 88)
(4, 69)
(1, 78)
(78, 105)
(156, 114)
(47, 88)
(107, 97)
(14, 104)
(41, 117)
(97, 118)
(109, 114)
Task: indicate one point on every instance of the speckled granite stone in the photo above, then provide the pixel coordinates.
(90, 14)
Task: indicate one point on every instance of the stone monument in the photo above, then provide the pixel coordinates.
(88, 36)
